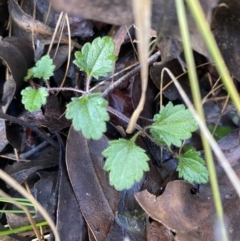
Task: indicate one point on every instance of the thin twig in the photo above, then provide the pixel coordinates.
(29, 153)
(30, 125)
(126, 77)
(122, 117)
(65, 89)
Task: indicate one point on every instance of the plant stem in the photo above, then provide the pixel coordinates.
(29, 125)
(126, 77)
(144, 132)
(134, 138)
(109, 108)
(66, 89)
(88, 83)
(21, 229)
(122, 117)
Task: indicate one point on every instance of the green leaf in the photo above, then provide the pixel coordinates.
(44, 68)
(192, 167)
(126, 163)
(29, 74)
(220, 131)
(89, 115)
(33, 99)
(97, 58)
(173, 124)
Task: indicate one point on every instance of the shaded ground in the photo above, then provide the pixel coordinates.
(64, 171)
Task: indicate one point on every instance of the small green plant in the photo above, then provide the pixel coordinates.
(125, 161)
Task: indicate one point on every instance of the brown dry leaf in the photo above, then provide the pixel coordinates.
(46, 158)
(17, 55)
(230, 145)
(45, 14)
(26, 27)
(164, 16)
(170, 56)
(184, 237)
(44, 191)
(164, 19)
(107, 11)
(119, 38)
(53, 118)
(59, 55)
(69, 220)
(3, 13)
(156, 231)
(193, 214)
(97, 199)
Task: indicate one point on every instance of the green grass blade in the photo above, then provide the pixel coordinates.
(21, 229)
(17, 211)
(197, 102)
(21, 201)
(201, 22)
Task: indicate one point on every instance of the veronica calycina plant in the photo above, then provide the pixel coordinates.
(125, 161)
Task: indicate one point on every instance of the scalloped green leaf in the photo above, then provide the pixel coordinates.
(33, 99)
(173, 124)
(44, 68)
(29, 75)
(96, 58)
(192, 167)
(126, 163)
(89, 115)
(220, 131)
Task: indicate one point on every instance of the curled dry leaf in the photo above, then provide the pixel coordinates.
(46, 190)
(164, 16)
(26, 27)
(3, 13)
(115, 12)
(96, 198)
(230, 145)
(119, 38)
(193, 214)
(78, 26)
(69, 221)
(157, 231)
(47, 158)
(17, 55)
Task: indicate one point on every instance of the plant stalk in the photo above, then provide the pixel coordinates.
(182, 19)
(201, 22)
